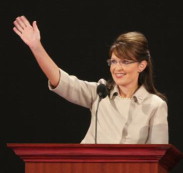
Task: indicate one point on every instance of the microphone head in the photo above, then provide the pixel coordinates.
(102, 91)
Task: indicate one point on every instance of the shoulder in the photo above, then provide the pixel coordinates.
(144, 97)
(157, 103)
(156, 100)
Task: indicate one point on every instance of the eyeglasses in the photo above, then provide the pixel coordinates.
(124, 62)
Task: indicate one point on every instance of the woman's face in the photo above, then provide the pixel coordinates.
(125, 73)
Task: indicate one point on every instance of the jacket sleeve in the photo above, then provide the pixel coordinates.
(158, 128)
(77, 91)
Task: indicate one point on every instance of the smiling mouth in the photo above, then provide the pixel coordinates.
(119, 75)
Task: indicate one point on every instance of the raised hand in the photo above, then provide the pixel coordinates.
(30, 34)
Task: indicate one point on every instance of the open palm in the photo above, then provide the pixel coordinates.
(30, 34)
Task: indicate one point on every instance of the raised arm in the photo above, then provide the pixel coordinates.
(30, 34)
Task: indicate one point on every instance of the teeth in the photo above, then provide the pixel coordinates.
(119, 74)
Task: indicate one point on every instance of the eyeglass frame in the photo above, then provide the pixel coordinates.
(121, 62)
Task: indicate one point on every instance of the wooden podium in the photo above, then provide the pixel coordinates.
(97, 158)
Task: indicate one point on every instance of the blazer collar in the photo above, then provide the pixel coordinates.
(138, 96)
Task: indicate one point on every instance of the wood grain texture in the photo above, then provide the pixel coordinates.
(89, 158)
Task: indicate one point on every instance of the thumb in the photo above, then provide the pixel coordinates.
(35, 27)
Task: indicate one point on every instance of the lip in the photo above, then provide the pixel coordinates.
(119, 75)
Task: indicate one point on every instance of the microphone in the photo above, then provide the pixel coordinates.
(102, 92)
(102, 89)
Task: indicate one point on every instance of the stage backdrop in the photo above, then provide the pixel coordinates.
(77, 35)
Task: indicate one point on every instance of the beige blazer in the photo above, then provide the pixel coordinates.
(141, 119)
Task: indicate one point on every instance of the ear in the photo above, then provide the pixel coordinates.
(142, 66)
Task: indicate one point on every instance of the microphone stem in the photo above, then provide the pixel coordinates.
(96, 120)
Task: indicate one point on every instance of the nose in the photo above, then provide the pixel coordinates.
(117, 68)
(119, 65)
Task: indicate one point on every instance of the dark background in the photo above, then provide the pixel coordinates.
(77, 35)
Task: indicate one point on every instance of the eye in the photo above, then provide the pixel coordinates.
(113, 61)
(126, 61)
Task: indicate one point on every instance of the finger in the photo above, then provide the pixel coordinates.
(25, 21)
(17, 31)
(18, 26)
(21, 22)
(35, 27)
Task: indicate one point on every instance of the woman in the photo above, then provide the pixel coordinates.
(134, 112)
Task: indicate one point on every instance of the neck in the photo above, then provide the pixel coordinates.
(127, 92)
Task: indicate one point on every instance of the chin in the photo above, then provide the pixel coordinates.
(119, 83)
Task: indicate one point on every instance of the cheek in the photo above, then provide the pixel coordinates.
(111, 69)
(135, 69)
(133, 72)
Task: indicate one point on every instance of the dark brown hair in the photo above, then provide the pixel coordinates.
(134, 46)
